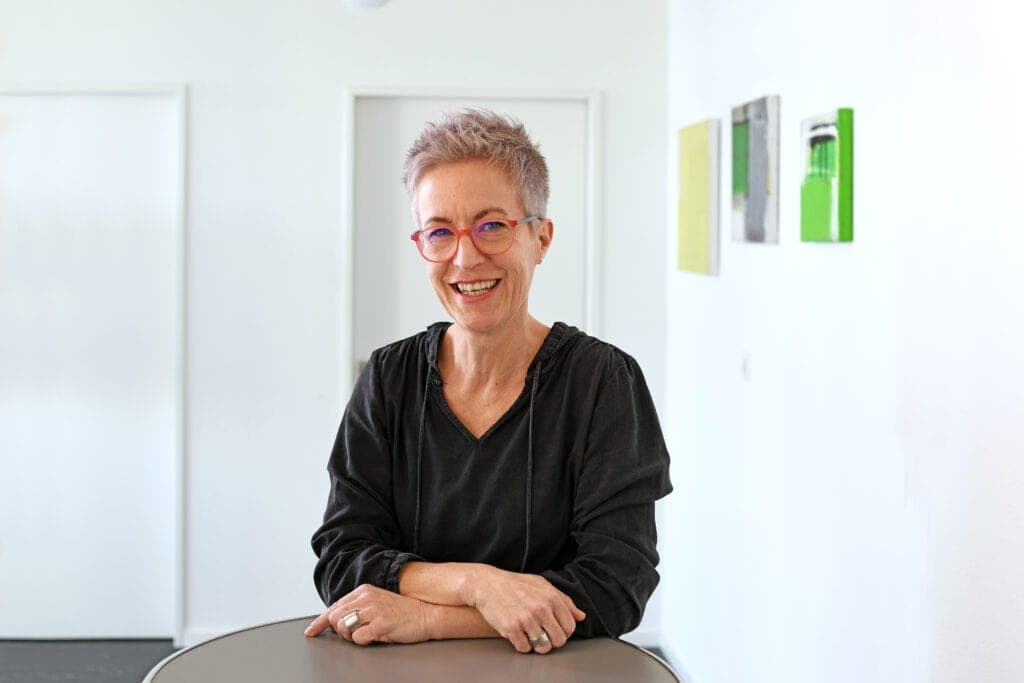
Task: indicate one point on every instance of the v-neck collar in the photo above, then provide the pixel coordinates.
(556, 336)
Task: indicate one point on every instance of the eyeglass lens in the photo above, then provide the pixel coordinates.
(490, 237)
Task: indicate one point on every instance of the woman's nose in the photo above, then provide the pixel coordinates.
(466, 253)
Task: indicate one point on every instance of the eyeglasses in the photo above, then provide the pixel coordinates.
(494, 236)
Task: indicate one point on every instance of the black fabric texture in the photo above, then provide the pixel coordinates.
(563, 485)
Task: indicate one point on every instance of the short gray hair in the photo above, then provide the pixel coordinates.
(487, 135)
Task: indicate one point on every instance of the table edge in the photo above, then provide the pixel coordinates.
(174, 655)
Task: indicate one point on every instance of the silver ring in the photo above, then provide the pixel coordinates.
(351, 621)
(540, 641)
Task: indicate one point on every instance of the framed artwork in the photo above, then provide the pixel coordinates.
(826, 194)
(755, 171)
(699, 163)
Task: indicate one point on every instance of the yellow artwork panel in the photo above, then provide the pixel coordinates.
(698, 197)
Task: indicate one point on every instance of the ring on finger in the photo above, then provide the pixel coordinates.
(540, 640)
(351, 621)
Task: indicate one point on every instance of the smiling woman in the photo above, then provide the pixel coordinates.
(494, 476)
(484, 289)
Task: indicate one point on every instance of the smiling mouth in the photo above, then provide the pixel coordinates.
(475, 288)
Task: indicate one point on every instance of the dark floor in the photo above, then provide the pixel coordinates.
(81, 661)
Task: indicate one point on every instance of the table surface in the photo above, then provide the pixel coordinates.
(280, 652)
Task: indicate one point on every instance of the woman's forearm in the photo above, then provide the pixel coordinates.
(444, 583)
(491, 602)
(456, 621)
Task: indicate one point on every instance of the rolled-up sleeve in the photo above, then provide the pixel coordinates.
(360, 539)
(624, 469)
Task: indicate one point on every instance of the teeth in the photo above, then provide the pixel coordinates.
(475, 288)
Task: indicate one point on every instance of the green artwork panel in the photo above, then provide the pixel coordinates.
(740, 143)
(826, 194)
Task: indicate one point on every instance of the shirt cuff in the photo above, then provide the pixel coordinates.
(391, 578)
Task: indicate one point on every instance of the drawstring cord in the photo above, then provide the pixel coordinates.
(419, 462)
(529, 467)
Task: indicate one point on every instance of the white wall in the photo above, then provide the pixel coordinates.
(264, 238)
(851, 511)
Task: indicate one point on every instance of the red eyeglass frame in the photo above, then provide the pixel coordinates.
(459, 232)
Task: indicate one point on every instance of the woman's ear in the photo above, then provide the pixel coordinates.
(545, 234)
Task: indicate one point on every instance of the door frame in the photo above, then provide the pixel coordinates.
(592, 222)
(179, 92)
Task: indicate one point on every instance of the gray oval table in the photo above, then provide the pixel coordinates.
(280, 652)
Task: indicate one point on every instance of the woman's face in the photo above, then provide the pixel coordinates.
(462, 194)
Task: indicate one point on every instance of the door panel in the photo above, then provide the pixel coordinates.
(90, 296)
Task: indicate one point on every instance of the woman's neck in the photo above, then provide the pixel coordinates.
(488, 361)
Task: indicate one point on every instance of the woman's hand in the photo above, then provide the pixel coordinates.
(520, 606)
(384, 617)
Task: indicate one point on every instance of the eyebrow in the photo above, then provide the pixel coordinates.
(478, 216)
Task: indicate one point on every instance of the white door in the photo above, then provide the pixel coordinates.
(90, 376)
(392, 296)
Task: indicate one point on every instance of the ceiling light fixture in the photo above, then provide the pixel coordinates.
(366, 4)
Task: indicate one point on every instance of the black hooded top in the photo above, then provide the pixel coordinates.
(562, 485)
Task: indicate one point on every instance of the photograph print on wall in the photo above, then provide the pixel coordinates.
(755, 171)
(697, 248)
(826, 194)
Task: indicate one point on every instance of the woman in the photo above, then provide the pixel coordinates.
(493, 477)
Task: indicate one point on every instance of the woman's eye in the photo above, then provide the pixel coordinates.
(437, 233)
(491, 226)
